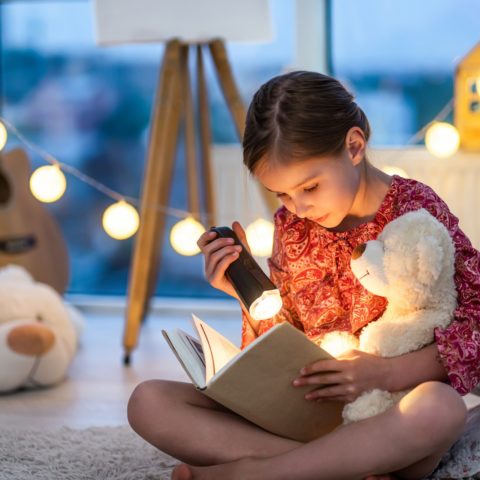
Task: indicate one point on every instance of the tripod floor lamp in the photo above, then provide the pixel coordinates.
(173, 105)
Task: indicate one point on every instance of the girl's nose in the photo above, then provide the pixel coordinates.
(302, 210)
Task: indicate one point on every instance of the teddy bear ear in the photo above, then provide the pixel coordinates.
(430, 259)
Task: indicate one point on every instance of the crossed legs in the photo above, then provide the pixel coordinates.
(409, 439)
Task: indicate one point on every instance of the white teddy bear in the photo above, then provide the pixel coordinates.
(412, 265)
(38, 332)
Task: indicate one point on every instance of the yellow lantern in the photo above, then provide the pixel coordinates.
(120, 220)
(184, 236)
(467, 100)
(260, 237)
(442, 139)
(3, 136)
(48, 183)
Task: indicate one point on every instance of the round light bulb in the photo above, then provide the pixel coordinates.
(48, 183)
(120, 220)
(3, 135)
(267, 305)
(442, 139)
(260, 237)
(392, 170)
(184, 236)
(338, 343)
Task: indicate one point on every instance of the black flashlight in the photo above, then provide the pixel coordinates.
(256, 291)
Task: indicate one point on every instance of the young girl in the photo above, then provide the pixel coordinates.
(305, 140)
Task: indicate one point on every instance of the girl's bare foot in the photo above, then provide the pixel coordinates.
(238, 470)
(182, 472)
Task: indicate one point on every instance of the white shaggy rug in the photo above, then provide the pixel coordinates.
(117, 453)
(97, 453)
(462, 461)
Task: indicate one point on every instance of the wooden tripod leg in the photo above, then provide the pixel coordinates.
(193, 194)
(234, 102)
(164, 183)
(205, 142)
(155, 191)
(229, 87)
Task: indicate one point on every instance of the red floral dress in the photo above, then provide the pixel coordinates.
(311, 267)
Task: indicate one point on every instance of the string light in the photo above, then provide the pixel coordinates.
(48, 183)
(184, 236)
(3, 136)
(260, 237)
(442, 139)
(120, 220)
(130, 213)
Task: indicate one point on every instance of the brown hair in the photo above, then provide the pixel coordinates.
(300, 115)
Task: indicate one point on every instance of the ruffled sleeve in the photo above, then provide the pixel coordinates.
(280, 277)
(459, 343)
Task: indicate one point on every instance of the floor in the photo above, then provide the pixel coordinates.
(97, 389)
(99, 385)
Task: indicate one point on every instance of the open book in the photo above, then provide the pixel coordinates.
(256, 382)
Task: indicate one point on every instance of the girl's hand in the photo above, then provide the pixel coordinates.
(218, 254)
(345, 378)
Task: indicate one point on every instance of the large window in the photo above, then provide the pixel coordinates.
(90, 107)
(399, 58)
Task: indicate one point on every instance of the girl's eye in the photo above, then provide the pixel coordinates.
(281, 195)
(311, 189)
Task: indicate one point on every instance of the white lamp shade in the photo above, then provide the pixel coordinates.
(131, 21)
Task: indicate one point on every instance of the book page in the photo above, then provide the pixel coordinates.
(257, 384)
(217, 349)
(189, 352)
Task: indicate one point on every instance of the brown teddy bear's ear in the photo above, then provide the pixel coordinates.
(430, 257)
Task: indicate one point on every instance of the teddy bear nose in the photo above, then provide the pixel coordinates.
(358, 250)
(31, 340)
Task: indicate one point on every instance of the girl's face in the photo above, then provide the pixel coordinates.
(322, 189)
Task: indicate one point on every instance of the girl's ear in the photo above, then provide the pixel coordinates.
(355, 144)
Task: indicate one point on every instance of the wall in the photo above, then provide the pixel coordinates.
(456, 180)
